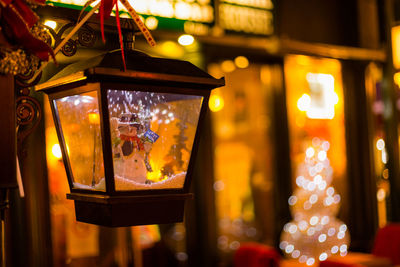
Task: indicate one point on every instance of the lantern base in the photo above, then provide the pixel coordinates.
(128, 211)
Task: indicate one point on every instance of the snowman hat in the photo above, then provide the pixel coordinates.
(129, 119)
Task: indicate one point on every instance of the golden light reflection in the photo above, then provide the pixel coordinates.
(154, 176)
(304, 102)
(382, 210)
(384, 156)
(241, 62)
(381, 194)
(396, 79)
(56, 151)
(94, 118)
(322, 96)
(185, 39)
(380, 144)
(300, 121)
(395, 46)
(172, 49)
(182, 10)
(385, 174)
(242, 151)
(216, 103)
(51, 23)
(303, 60)
(228, 66)
(151, 23)
(311, 81)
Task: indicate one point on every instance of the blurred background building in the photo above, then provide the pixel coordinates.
(297, 71)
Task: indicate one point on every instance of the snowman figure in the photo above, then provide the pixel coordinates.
(132, 149)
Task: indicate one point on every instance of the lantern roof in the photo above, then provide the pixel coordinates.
(139, 66)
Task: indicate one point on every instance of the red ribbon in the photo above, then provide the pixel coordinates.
(20, 19)
(106, 7)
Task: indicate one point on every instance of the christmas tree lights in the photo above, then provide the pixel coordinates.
(314, 233)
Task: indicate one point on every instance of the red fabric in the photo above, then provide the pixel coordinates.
(121, 43)
(20, 19)
(387, 243)
(256, 255)
(106, 7)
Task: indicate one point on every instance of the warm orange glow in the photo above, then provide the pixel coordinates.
(94, 118)
(154, 176)
(151, 23)
(51, 23)
(216, 103)
(395, 46)
(56, 151)
(228, 66)
(396, 79)
(304, 102)
(322, 96)
(241, 62)
(385, 174)
(380, 144)
(172, 49)
(185, 39)
(304, 78)
(382, 210)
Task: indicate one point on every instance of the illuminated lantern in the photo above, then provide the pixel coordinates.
(129, 138)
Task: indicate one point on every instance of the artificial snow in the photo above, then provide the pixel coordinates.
(121, 183)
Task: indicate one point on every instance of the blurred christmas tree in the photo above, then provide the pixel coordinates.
(315, 233)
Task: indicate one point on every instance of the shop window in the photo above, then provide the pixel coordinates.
(243, 155)
(315, 108)
(314, 95)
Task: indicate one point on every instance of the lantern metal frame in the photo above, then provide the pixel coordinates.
(111, 207)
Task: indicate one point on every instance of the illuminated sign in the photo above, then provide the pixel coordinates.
(198, 16)
(193, 16)
(248, 16)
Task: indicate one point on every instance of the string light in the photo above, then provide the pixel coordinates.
(315, 233)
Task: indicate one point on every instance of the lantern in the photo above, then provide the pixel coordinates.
(129, 138)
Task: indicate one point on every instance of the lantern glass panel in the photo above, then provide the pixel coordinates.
(152, 136)
(80, 123)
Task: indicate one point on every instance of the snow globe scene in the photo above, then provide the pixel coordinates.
(152, 136)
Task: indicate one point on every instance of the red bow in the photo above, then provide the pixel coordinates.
(20, 19)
